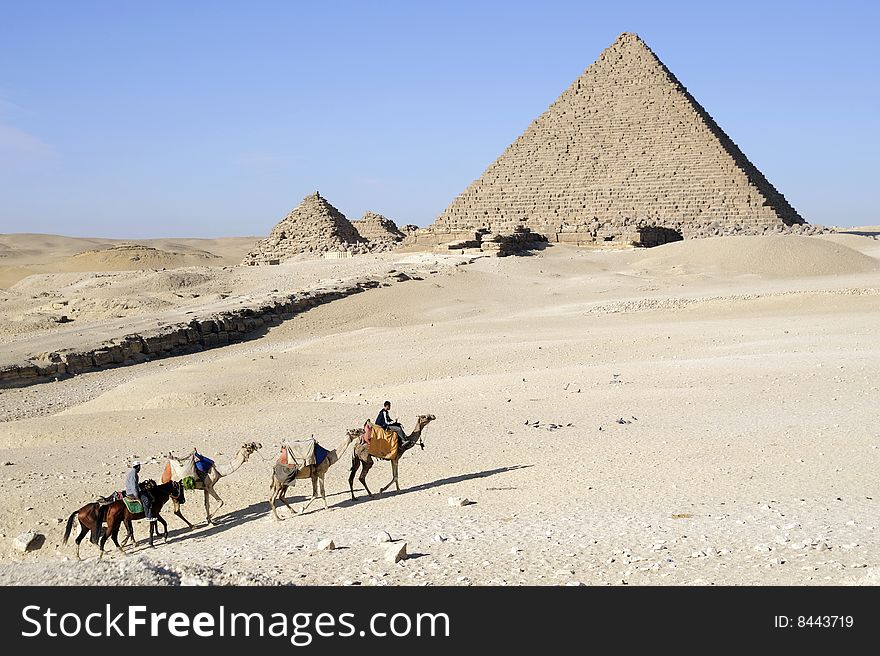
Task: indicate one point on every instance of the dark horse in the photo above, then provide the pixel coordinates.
(93, 515)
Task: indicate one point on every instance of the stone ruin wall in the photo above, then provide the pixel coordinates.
(200, 333)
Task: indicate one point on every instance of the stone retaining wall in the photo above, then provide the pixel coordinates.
(198, 334)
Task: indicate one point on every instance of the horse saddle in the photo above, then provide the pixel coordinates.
(110, 498)
(134, 505)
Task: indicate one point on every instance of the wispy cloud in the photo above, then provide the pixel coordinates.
(19, 147)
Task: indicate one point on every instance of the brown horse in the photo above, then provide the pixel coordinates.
(117, 513)
(88, 522)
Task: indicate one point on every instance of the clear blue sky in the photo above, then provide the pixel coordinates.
(144, 119)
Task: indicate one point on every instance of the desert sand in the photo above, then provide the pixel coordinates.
(22, 255)
(704, 412)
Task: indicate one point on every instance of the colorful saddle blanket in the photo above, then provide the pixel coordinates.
(194, 466)
(296, 455)
(203, 464)
(134, 506)
(380, 442)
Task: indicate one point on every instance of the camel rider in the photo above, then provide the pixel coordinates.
(385, 421)
(134, 490)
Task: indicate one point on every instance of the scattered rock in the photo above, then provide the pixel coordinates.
(326, 545)
(395, 552)
(382, 537)
(460, 501)
(29, 541)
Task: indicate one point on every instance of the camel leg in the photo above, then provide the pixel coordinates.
(284, 501)
(314, 478)
(210, 490)
(365, 468)
(273, 496)
(185, 520)
(355, 465)
(180, 514)
(323, 494)
(393, 477)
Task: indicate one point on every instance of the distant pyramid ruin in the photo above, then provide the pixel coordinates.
(314, 226)
(624, 155)
(380, 231)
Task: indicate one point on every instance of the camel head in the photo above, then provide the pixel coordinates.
(249, 448)
(424, 420)
(354, 433)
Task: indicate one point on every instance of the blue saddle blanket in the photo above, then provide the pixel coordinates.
(320, 453)
(203, 464)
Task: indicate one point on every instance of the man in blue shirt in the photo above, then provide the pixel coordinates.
(385, 421)
(133, 489)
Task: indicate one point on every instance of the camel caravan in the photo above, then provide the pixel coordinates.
(102, 519)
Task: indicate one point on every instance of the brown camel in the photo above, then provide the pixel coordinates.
(315, 473)
(210, 480)
(362, 458)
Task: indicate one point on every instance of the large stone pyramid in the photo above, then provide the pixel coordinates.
(314, 226)
(625, 154)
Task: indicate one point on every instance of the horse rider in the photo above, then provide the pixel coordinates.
(134, 489)
(385, 421)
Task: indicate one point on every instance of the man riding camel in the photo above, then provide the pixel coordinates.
(134, 490)
(385, 421)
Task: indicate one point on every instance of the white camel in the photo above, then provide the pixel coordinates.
(208, 484)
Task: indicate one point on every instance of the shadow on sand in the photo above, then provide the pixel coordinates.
(260, 510)
(438, 483)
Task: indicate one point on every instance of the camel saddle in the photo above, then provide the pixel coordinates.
(195, 466)
(179, 468)
(298, 453)
(379, 442)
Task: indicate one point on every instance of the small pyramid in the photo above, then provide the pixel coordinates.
(314, 226)
(378, 230)
(624, 153)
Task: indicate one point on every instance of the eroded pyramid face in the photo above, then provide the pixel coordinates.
(624, 147)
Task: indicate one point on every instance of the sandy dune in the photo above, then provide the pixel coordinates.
(23, 254)
(715, 405)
